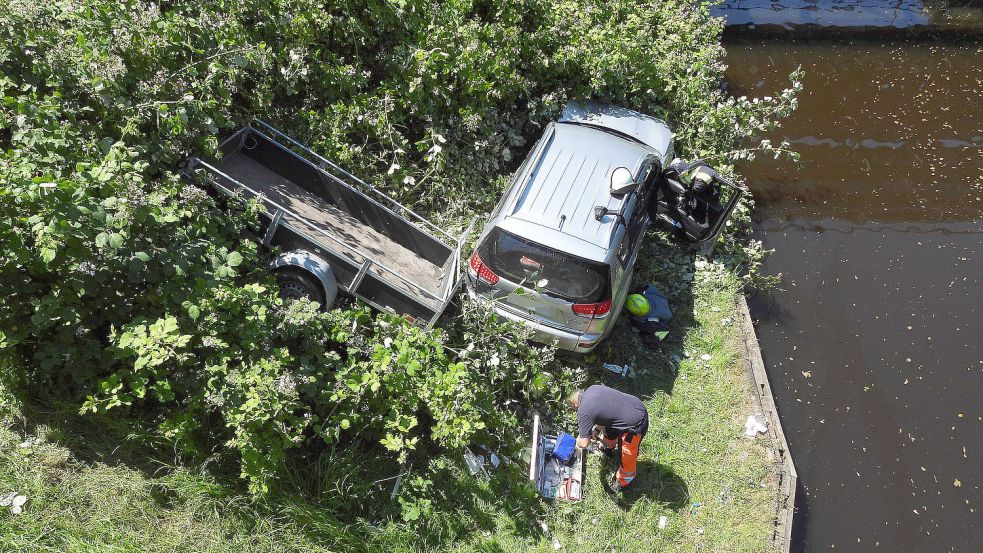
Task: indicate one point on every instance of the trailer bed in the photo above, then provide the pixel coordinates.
(333, 220)
(325, 221)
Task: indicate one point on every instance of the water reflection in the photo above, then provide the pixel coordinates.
(872, 347)
(886, 132)
(776, 16)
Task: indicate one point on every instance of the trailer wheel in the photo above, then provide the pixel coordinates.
(295, 285)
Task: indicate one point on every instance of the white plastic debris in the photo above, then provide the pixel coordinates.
(14, 501)
(663, 520)
(706, 357)
(546, 531)
(624, 372)
(755, 425)
(476, 464)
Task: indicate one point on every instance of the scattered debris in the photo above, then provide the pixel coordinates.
(546, 531)
(755, 425)
(476, 463)
(663, 520)
(706, 357)
(14, 501)
(623, 371)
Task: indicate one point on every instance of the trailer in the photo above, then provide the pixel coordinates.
(334, 231)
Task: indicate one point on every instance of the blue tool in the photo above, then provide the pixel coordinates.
(565, 444)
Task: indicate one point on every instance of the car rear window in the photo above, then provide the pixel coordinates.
(523, 261)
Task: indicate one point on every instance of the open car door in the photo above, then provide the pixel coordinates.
(695, 201)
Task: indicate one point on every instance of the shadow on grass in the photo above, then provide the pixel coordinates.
(466, 506)
(655, 482)
(163, 484)
(670, 266)
(340, 496)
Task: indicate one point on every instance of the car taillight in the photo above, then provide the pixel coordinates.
(592, 310)
(482, 270)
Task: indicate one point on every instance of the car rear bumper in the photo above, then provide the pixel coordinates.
(544, 333)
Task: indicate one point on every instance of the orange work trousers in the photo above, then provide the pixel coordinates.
(627, 443)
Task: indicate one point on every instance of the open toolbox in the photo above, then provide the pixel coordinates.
(555, 478)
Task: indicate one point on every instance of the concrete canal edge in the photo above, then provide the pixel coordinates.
(784, 467)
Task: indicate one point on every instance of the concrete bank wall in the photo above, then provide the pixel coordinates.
(785, 468)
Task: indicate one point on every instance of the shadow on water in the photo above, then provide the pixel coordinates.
(868, 346)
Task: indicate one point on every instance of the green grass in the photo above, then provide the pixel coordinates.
(93, 486)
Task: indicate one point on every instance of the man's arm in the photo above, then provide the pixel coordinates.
(585, 429)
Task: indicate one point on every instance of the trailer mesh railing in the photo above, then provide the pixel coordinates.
(325, 164)
(321, 232)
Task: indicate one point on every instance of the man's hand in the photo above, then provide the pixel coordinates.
(582, 443)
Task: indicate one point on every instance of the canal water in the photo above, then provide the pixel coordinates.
(873, 345)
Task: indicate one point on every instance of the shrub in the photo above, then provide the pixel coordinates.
(128, 288)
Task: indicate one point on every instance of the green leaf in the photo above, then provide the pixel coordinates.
(48, 254)
(125, 340)
(194, 312)
(115, 241)
(345, 424)
(101, 239)
(234, 259)
(142, 256)
(411, 513)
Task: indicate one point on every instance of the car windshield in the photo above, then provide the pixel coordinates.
(530, 264)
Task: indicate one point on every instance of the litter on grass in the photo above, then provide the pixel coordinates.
(755, 425)
(546, 532)
(623, 371)
(476, 464)
(14, 501)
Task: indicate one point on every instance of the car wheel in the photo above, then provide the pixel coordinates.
(295, 285)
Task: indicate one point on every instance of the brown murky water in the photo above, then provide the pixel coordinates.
(874, 347)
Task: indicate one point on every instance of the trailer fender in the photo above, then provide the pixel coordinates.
(311, 263)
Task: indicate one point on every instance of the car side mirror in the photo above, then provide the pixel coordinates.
(622, 181)
(601, 211)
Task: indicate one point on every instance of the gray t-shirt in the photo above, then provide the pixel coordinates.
(611, 409)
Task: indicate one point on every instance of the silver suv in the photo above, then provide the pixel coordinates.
(558, 251)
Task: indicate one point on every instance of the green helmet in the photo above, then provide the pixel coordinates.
(638, 305)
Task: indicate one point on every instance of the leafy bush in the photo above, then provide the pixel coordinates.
(129, 288)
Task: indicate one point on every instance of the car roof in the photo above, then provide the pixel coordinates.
(555, 204)
(641, 127)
